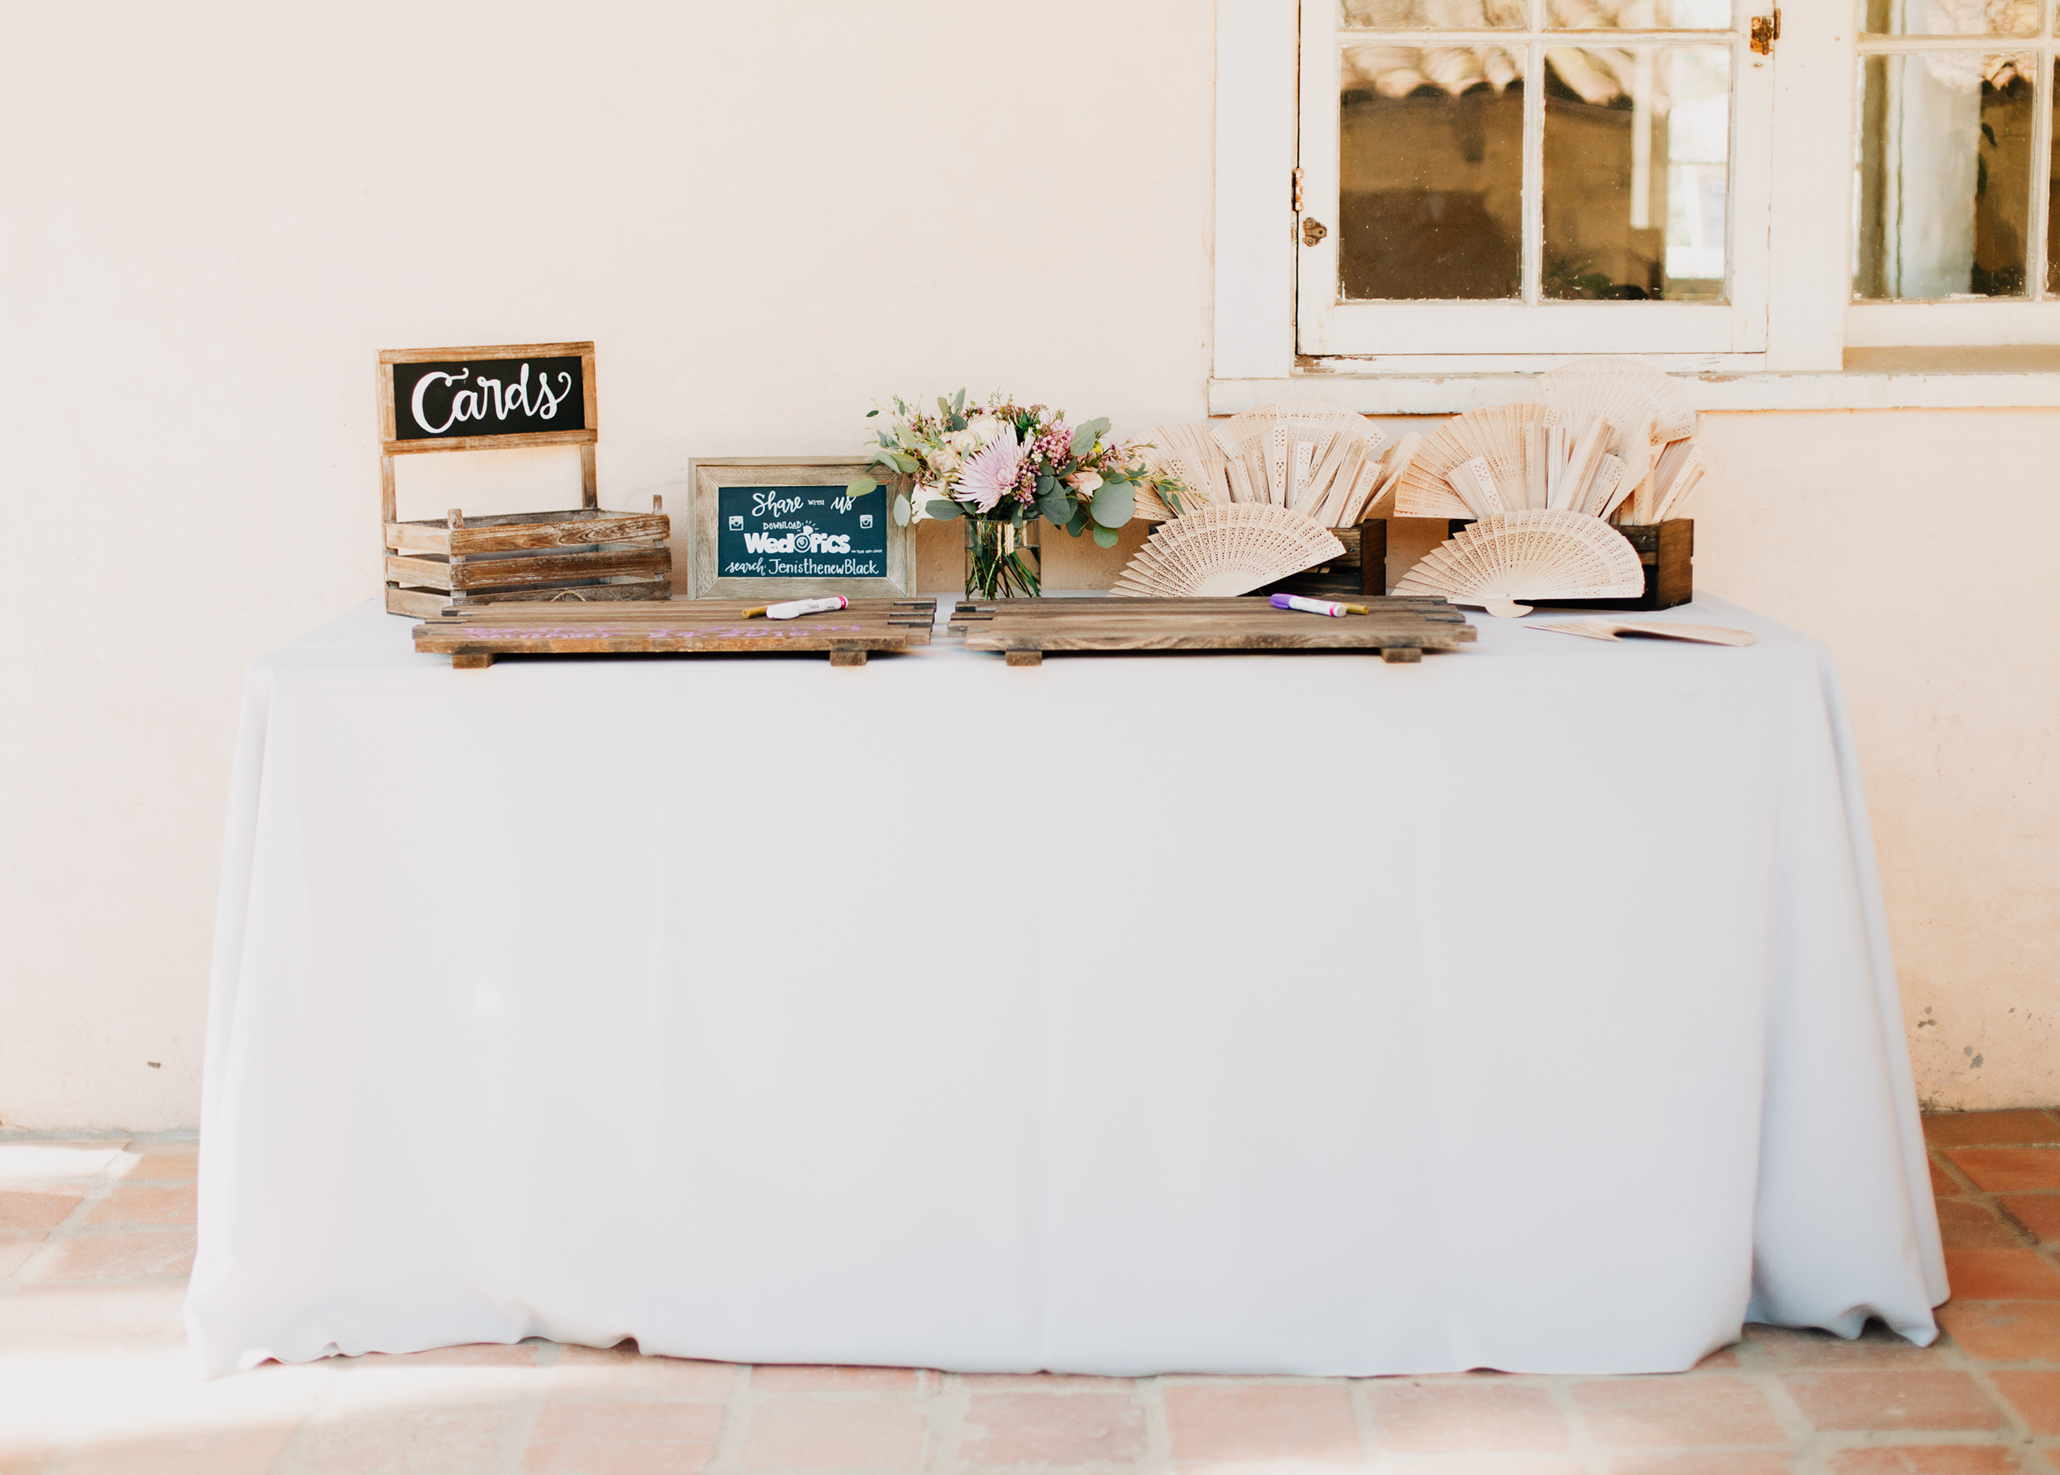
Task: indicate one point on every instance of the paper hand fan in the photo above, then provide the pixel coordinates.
(1624, 392)
(1190, 455)
(1293, 455)
(1499, 436)
(1216, 552)
(1538, 553)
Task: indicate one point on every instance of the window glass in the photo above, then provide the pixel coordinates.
(1637, 142)
(1645, 15)
(1949, 17)
(1431, 173)
(1942, 197)
(1433, 15)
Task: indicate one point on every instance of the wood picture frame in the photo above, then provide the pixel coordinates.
(819, 482)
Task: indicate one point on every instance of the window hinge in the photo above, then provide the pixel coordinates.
(1298, 192)
(1766, 30)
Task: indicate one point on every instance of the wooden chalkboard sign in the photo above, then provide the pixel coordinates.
(496, 399)
(786, 528)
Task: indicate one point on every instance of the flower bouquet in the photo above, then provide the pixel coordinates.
(1002, 467)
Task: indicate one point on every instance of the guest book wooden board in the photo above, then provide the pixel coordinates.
(674, 627)
(1024, 629)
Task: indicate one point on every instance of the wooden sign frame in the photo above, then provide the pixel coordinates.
(706, 475)
(390, 445)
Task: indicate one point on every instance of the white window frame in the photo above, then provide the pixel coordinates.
(1328, 327)
(1810, 318)
(1954, 324)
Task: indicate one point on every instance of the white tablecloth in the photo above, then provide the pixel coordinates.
(1528, 1008)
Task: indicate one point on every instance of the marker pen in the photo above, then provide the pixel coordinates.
(794, 608)
(1316, 606)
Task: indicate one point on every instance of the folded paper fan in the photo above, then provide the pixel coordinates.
(1499, 435)
(1624, 392)
(1293, 455)
(1216, 552)
(1190, 455)
(1538, 553)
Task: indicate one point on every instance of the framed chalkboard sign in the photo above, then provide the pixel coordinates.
(786, 527)
(486, 399)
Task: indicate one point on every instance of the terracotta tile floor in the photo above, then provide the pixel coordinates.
(95, 1237)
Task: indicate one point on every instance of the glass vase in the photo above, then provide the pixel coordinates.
(1003, 559)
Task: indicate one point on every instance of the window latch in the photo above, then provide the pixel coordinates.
(1313, 230)
(1766, 30)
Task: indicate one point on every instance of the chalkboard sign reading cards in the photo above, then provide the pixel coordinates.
(789, 528)
(485, 397)
(480, 399)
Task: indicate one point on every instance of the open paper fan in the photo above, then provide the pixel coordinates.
(1189, 454)
(1500, 436)
(1306, 456)
(1538, 553)
(1215, 552)
(1622, 391)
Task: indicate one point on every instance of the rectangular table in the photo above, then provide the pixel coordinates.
(1530, 1007)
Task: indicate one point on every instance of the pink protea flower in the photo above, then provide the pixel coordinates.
(990, 473)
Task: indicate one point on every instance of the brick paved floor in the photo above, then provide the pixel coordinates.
(95, 1237)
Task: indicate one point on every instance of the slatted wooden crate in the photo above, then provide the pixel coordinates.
(1667, 552)
(1398, 629)
(573, 556)
(676, 627)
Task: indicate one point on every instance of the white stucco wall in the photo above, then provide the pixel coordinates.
(212, 218)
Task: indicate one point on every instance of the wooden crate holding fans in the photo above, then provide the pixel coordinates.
(1572, 501)
(504, 398)
(1282, 499)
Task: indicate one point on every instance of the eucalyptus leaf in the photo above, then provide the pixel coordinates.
(860, 486)
(1046, 485)
(1082, 439)
(870, 413)
(1114, 503)
(1105, 537)
(1056, 509)
(942, 511)
(958, 405)
(901, 512)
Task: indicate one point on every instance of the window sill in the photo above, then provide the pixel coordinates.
(2026, 377)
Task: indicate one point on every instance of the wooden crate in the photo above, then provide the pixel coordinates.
(675, 627)
(574, 556)
(1396, 628)
(1667, 552)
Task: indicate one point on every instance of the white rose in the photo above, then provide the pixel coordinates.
(944, 459)
(1086, 483)
(986, 428)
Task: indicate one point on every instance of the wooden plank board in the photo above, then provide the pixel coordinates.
(431, 571)
(477, 536)
(1399, 629)
(473, 637)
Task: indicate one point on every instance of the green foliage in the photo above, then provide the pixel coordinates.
(860, 486)
(1114, 503)
(942, 511)
(1105, 537)
(901, 511)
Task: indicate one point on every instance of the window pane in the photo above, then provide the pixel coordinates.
(2053, 197)
(1637, 142)
(1433, 15)
(1949, 17)
(1943, 187)
(1431, 172)
(1647, 15)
